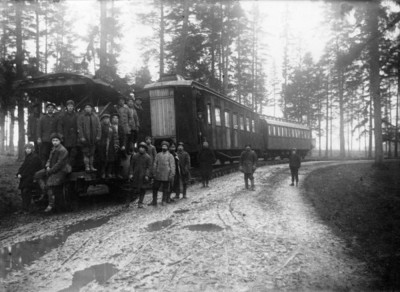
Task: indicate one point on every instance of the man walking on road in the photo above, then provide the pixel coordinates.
(206, 159)
(294, 164)
(164, 172)
(248, 164)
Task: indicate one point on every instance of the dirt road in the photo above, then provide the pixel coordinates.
(222, 238)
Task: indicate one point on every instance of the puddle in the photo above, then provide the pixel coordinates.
(23, 253)
(204, 227)
(195, 202)
(99, 273)
(159, 225)
(180, 211)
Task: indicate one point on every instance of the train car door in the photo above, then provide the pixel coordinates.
(162, 113)
(228, 130)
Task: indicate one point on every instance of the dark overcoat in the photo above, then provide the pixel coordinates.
(206, 159)
(109, 144)
(248, 161)
(89, 127)
(294, 161)
(58, 163)
(151, 150)
(32, 127)
(125, 118)
(46, 126)
(27, 170)
(184, 163)
(68, 128)
(140, 167)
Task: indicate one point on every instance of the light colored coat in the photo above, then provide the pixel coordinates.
(164, 166)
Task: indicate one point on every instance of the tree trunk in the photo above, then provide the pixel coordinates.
(11, 149)
(341, 114)
(327, 119)
(103, 35)
(19, 74)
(370, 130)
(374, 81)
(37, 35)
(2, 130)
(180, 68)
(162, 32)
(46, 47)
(396, 137)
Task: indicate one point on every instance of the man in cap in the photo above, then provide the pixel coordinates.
(108, 147)
(184, 163)
(133, 125)
(151, 150)
(29, 167)
(46, 126)
(89, 134)
(294, 165)
(68, 128)
(33, 120)
(248, 165)
(163, 172)
(119, 134)
(125, 119)
(139, 172)
(55, 170)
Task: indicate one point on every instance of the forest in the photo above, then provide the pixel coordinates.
(350, 92)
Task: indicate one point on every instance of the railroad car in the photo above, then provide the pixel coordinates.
(187, 111)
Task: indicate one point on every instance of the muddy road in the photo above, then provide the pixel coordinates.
(221, 238)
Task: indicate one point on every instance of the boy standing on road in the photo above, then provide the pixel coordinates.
(294, 164)
(139, 172)
(248, 164)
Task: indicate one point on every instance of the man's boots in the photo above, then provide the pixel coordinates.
(253, 188)
(154, 202)
(86, 161)
(184, 191)
(246, 182)
(91, 160)
(51, 201)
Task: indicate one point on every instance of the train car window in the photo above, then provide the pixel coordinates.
(217, 116)
(247, 124)
(253, 126)
(241, 123)
(227, 120)
(235, 121)
(209, 114)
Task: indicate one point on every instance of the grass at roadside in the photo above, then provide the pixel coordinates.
(361, 203)
(10, 200)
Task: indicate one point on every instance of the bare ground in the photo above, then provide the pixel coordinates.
(220, 239)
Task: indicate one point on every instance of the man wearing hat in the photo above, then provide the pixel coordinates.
(33, 120)
(55, 171)
(29, 167)
(46, 126)
(139, 172)
(119, 134)
(108, 147)
(89, 134)
(151, 150)
(248, 165)
(68, 128)
(163, 172)
(184, 162)
(294, 165)
(125, 119)
(133, 125)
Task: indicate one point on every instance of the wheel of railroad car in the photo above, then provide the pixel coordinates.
(222, 161)
(265, 157)
(68, 196)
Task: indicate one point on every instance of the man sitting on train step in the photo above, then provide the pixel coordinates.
(89, 133)
(248, 165)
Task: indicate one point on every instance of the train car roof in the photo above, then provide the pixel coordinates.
(59, 87)
(279, 122)
(191, 83)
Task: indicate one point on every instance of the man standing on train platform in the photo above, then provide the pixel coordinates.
(120, 135)
(206, 159)
(184, 163)
(68, 128)
(46, 126)
(294, 165)
(151, 149)
(33, 120)
(163, 172)
(139, 173)
(125, 118)
(133, 125)
(89, 134)
(248, 165)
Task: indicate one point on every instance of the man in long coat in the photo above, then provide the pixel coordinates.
(26, 172)
(139, 172)
(184, 163)
(68, 128)
(119, 133)
(108, 147)
(163, 172)
(125, 117)
(47, 125)
(133, 125)
(89, 134)
(248, 165)
(206, 159)
(294, 165)
(151, 150)
(55, 171)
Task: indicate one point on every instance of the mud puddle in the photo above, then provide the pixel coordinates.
(99, 273)
(209, 227)
(159, 225)
(181, 211)
(14, 257)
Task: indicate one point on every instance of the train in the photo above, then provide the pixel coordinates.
(181, 110)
